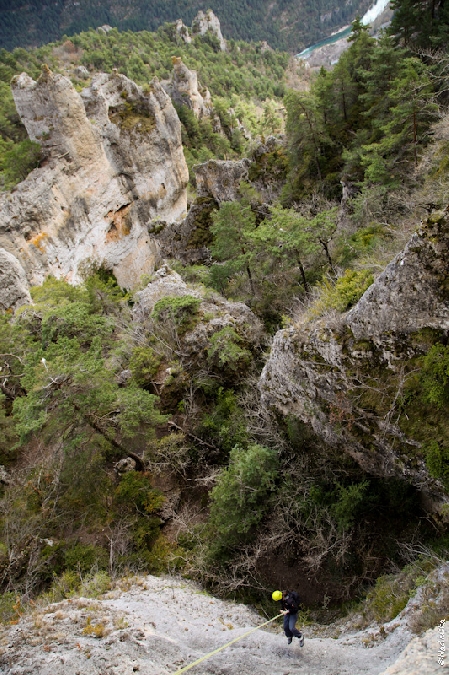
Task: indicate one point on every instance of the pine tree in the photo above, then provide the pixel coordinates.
(420, 24)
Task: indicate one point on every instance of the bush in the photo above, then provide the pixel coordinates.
(435, 378)
(225, 352)
(241, 497)
(342, 295)
(17, 162)
(144, 364)
(182, 311)
(437, 460)
(82, 558)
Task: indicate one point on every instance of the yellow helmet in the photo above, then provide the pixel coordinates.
(277, 595)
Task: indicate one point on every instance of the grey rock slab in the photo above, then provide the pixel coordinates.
(162, 624)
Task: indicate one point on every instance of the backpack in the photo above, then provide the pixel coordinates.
(292, 601)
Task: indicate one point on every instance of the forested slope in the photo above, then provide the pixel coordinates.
(283, 23)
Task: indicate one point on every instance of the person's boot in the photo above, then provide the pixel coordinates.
(289, 641)
(301, 640)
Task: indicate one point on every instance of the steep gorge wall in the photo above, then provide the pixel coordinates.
(113, 162)
(335, 372)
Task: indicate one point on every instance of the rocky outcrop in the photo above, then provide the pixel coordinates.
(13, 284)
(323, 371)
(114, 162)
(420, 657)
(182, 31)
(215, 313)
(220, 179)
(207, 22)
(183, 89)
(412, 292)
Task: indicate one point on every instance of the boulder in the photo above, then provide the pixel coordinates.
(220, 179)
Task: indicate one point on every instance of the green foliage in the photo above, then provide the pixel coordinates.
(225, 424)
(350, 499)
(420, 25)
(17, 162)
(144, 364)
(302, 24)
(135, 491)
(435, 375)
(225, 350)
(182, 311)
(82, 558)
(343, 294)
(366, 121)
(392, 592)
(241, 497)
(437, 461)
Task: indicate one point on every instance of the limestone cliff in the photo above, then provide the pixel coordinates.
(326, 372)
(113, 162)
(183, 89)
(207, 22)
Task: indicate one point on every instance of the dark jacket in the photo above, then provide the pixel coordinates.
(291, 602)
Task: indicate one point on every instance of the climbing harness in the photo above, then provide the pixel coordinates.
(207, 656)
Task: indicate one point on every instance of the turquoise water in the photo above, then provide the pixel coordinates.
(367, 18)
(327, 41)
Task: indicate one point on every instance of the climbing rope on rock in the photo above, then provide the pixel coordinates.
(207, 656)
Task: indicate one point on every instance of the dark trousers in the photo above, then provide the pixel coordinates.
(289, 625)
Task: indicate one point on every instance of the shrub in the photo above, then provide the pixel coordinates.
(225, 351)
(135, 490)
(241, 496)
(342, 295)
(182, 311)
(83, 557)
(435, 377)
(437, 460)
(144, 364)
(8, 610)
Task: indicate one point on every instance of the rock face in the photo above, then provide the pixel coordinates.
(221, 179)
(183, 32)
(207, 22)
(160, 625)
(13, 284)
(420, 657)
(183, 89)
(114, 161)
(320, 372)
(412, 292)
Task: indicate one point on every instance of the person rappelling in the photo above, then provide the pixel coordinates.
(289, 608)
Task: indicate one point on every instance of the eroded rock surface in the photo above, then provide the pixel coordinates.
(13, 284)
(320, 372)
(220, 179)
(160, 625)
(183, 89)
(114, 161)
(207, 22)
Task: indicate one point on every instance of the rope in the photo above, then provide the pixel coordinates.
(207, 656)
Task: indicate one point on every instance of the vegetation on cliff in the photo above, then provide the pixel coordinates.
(84, 387)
